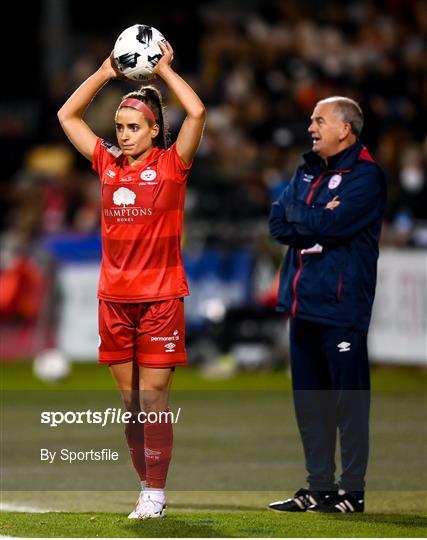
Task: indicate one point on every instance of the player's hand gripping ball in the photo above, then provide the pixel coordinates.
(136, 52)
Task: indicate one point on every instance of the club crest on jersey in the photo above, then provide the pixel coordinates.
(148, 174)
(334, 181)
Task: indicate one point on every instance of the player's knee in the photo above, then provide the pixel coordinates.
(131, 401)
(153, 400)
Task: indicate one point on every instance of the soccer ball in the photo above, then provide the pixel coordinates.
(51, 366)
(136, 52)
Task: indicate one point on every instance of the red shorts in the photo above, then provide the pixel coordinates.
(153, 333)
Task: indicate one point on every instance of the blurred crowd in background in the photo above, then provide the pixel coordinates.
(259, 66)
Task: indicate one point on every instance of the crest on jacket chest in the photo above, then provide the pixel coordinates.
(334, 181)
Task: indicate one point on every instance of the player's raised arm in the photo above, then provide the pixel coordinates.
(191, 130)
(71, 114)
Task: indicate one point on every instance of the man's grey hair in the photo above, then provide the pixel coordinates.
(349, 110)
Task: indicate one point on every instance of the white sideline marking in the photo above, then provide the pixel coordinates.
(11, 507)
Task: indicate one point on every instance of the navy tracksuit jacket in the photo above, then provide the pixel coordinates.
(327, 287)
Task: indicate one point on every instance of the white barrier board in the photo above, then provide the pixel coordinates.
(398, 330)
(78, 328)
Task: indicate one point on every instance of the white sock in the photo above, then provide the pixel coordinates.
(156, 494)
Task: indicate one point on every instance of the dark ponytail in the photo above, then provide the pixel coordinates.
(153, 99)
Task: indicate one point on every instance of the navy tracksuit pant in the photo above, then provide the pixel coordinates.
(331, 389)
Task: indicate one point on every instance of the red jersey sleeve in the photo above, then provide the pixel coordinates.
(175, 169)
(105, 154)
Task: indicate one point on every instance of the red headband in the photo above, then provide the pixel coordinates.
(139, 106)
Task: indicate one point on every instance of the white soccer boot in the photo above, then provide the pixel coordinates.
(150, 504)
(134, 514)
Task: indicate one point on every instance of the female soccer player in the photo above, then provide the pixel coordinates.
(142, 281)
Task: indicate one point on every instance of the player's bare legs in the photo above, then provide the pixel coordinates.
(150, 442)
(154, 384)
(126, 377)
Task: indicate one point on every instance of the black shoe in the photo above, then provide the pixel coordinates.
(301, 501)
(339, 503)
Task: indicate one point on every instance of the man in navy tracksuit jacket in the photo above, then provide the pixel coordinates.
(330, 216)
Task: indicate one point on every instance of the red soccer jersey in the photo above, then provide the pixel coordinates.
(142, 221)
